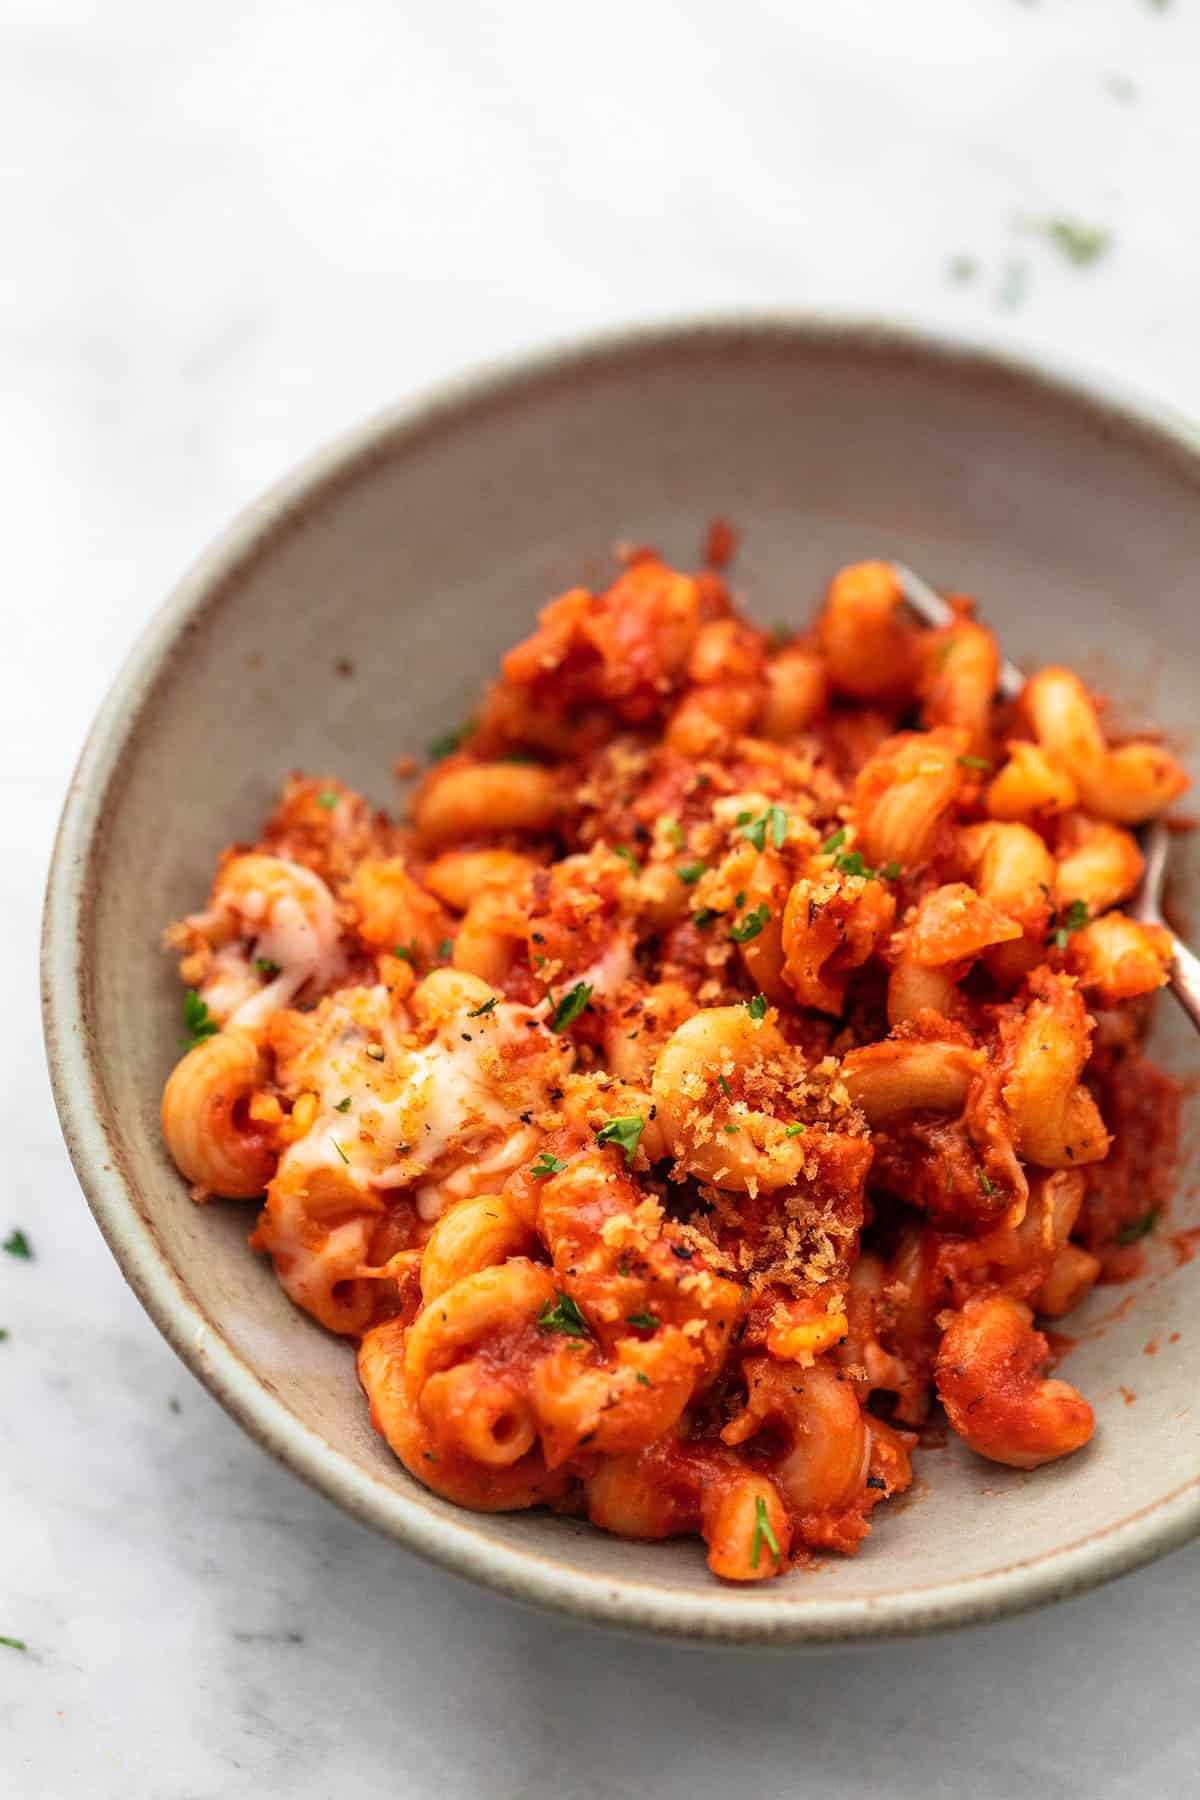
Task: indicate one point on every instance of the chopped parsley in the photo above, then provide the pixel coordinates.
(762, 1529)
(450, 741)
(690, 873)
(1081, 244)
(487, 1007)
(406, 952)
(645, 1321)
(986, 1184)
(570, 1005)
(795, 1130)
(626, 855)
(704, 918)
(757, 1006)
(834, 841)
(343, 1105)
(444, 949)
(1073, 919)
(751, 925)
(266, 967)
(328, 798)
(643, 1379)
(546, 1165)
(516, 756)
(340, 1151)
(3, 1334)
(774, 820)
(973, 762)
(565, 1317)
(14, 1643)
(890, 871)
(724, 1087)
(674, 832)
(625, 1132)
(17, 1244)
(198, 1022)
(850, 862)
(1133, 1229)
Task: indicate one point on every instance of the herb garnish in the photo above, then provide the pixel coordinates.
(450, 741)
(328, 798)
(17, 1244)
(570, 1005)
(762, 1529)
(626, 855)
(625, 1132)
(973, 762)
(774, 820)
(198, 1022)
(406, 952)
(674, 832)
(266, 967)
(1133, 1229)
(751, 925)
(14, 1643)
(343, 1105)
(704, 918)
(444, 949)
(340, 1151)
(986, 1185)
(724, 1087)
(757, 1006)
(487, 1007)
(645, 1321)
(546, 1165)
(795, 1130)
(834, 841)
(565, 1317)
(1063, 924)
(690, 873)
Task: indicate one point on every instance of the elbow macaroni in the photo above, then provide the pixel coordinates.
(705, 1071)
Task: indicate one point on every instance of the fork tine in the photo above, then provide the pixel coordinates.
(932, 609)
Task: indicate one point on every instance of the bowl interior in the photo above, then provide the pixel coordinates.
(357, 613)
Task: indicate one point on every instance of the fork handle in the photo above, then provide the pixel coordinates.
(1185, 980)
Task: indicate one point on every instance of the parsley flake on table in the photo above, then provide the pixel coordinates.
(565, 1317)
(11, 1643)
(17, 1244)
(198, 1022)
(1081, 244)
(624, 1131)
(570, 1005)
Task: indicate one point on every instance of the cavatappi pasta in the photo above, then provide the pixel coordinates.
(735, 1053)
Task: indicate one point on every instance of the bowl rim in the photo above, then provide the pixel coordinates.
(720, 1615)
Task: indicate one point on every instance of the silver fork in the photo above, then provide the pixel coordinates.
(1153, 837)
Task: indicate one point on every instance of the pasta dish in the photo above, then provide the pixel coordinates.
(711, 1082)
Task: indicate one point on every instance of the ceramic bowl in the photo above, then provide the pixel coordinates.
(355, 611)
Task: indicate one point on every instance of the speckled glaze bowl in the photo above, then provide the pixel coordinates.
(355, 611)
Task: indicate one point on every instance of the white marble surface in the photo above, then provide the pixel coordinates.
(229, 229)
